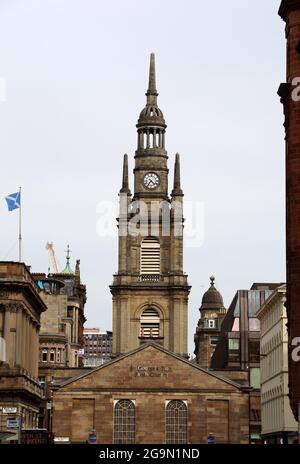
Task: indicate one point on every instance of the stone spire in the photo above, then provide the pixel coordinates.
(67, 269)
(77, 271)
(151, 116)
(152, 92)
(177, 184)
(125, 181)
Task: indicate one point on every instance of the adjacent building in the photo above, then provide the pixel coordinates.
(238, 348)
(289, 93)
(277, 420)
(21, 309)
(61, 343)
(212, 313)
(97, 347)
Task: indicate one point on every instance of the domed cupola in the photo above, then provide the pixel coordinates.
(212, 298)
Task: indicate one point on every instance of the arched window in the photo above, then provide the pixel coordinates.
(124, 422)
(176, 422)
(150, 256)
(150, 322)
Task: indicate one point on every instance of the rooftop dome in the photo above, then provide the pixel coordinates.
(212, 298)
(151, 116)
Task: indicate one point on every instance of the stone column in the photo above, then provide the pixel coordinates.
(23, 338)
(7, 324)
(27, 344)
(32, 347)
(160, 139)
(19, 348)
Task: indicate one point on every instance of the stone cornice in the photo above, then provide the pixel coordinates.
(286, 6)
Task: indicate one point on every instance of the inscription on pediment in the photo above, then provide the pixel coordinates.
(151, 371)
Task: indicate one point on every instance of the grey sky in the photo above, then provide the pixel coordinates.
(76, 75)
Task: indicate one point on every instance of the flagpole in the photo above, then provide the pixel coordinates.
(20, 229)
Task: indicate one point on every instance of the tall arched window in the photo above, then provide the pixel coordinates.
(124, 422)
(176, 422)
(150, 256)
(149, 323)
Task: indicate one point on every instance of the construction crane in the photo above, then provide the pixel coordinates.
(53, 263)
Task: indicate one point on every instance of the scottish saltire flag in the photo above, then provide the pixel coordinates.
(13, 201)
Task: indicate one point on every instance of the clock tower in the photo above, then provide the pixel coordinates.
(150, 290)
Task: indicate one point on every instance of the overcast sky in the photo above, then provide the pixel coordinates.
(76, 75)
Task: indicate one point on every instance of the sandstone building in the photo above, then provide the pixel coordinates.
(61, 343)
(150, 290)
(238, 349)
(151, 395)
(150, 392)
(212, 313)
(289, 93)
(21, 308)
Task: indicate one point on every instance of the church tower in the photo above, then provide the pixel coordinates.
(150, 290)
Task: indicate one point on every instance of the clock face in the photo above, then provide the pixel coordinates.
(151, 180)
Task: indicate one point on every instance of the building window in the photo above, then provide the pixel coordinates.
(233, 344)
(150, 323)
(150, 256)
(58, 355)
(211, 323)
(52, 355)
(254, 324)
(236, 325)
(234, 349)
(45, 355)
(255, 377)
(42, 381)
(176, 422)
(214, 340)
(124, 422)
(254, 351)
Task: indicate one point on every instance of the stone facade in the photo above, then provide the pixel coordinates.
(61, 334)
(150, 290)
(289, 93)
(212, 313)
(20, 314)
(278, 423)
(150, 377)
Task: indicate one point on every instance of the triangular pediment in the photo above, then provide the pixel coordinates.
(152, 368)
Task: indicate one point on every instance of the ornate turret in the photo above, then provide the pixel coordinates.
(212, 298)
(151, 169)
(212, 312)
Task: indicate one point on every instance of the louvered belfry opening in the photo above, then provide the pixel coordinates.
(150, 324)
(150, 257)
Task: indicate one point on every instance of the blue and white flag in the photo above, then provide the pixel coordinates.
(13, 201)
